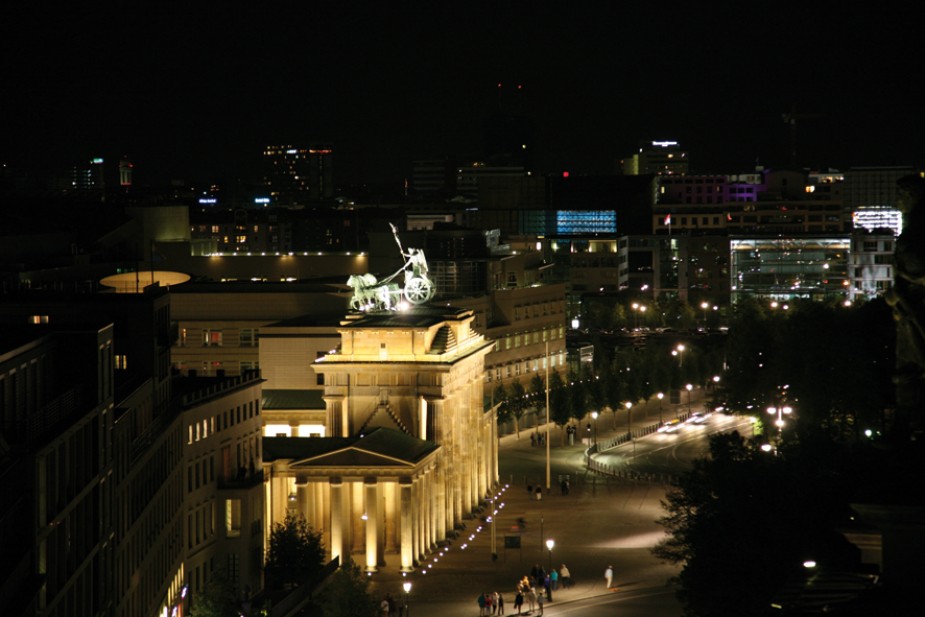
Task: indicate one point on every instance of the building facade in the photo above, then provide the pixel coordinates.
(412, 448)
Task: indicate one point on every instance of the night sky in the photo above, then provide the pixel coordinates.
(196, 93)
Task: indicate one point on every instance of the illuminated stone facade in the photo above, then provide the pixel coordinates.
(412, 449)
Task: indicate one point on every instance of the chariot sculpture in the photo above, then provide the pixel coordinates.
(386, 295)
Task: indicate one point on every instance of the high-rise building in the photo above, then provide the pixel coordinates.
(125, 172)
(89, 176)
(297, 174)
(663, 158)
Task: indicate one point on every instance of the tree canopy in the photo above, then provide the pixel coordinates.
(743, 521)
(295, 553)
(346, 594)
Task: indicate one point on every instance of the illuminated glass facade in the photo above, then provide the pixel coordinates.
(874, 218)
(586, 222)
(785, 268)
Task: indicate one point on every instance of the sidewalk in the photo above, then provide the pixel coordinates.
(601, 522)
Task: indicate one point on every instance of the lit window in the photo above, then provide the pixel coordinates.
(212, 338)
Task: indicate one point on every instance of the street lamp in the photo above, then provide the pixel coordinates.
(594, 415)
(704, 306)
(629, 425)
(660, 396)
(407, 587)
(689, 387)
(679, 351)
(549, 544)
(780, 411)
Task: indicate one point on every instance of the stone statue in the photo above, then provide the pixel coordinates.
(907, 297)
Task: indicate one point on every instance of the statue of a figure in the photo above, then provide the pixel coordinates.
(907, 297)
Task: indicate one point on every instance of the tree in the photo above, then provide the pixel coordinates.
(559, 400)
(217, 599)
(778, 509)
(500, 398)
(517, 403)
(346, 594)
(295, 553)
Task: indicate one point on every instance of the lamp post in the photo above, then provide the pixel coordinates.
(704, 306)
(689, 387)
(549, 544)
(660, 396)
(594, 415)
(637, 308)
(780, 412)
(629, 424)
(407, 587)
(679, 351)
(548, 467)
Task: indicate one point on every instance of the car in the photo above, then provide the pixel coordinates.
(670, 427)
(697, 418)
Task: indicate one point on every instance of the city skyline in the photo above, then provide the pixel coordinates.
(197, 96)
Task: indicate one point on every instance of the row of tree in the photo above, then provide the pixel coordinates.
(831, 363)
(744, 520)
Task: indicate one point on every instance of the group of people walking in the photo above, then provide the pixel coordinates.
(535, 589)
(491, 603)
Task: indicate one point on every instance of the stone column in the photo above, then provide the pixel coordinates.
(337, 518)
(407, 548)
(373, 515)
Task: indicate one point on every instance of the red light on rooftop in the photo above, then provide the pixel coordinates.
(565, 174)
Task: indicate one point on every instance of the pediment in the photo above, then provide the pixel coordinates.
(351, 457)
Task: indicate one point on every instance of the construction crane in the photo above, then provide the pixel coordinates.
(791, 119)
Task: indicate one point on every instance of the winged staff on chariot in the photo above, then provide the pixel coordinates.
(386, 295)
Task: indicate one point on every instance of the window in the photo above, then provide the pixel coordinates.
(36, 319)
(319, 377)
(121, 361)
(248, 337)
(233, 518)
(212, 338)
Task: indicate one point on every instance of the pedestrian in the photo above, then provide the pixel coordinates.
(391, 601)
(494, 602)
(533, 439)
(547, 587)
(519, 600)
(489, 600)
(481, 602)
(384, 607)
(531, 598)
(539, 493)
(554, 579)
(500, 602)
(540, 600)
(566, 577)
(608, 576)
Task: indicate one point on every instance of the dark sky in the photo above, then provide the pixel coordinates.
(195, 93)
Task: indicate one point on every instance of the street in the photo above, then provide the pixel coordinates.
(602, 521)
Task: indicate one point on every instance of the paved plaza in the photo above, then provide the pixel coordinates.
(600, 522)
